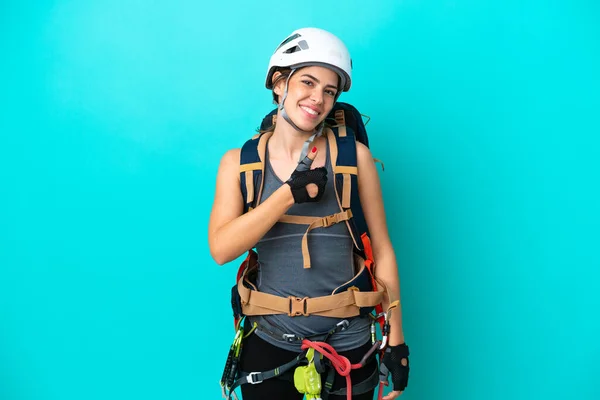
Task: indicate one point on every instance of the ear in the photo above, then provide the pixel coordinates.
(278, 87)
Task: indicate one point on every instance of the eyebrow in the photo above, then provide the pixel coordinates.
(318, 81)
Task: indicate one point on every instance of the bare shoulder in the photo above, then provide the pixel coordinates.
(231, 157)
(230, 163)
(364, 156)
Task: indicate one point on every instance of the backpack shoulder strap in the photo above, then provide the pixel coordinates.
(342, 149)
(252, 169)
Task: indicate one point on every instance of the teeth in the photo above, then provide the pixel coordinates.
(310, 111)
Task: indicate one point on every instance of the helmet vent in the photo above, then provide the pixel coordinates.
(292, 50)
(302, 45)
(289, 39)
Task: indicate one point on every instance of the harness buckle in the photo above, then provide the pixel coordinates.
(251, 378)
(329, 220)
(297, 306)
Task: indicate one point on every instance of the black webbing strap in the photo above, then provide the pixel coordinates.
(328, 384)
(258, 377)
(363, 387)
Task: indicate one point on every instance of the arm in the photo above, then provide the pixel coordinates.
(386, 270)
(230, 232)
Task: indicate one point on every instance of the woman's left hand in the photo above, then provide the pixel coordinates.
(395, 363)
(392, 395)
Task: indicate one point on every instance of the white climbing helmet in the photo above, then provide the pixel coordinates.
(312, 46)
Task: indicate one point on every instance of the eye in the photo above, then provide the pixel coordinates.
(309, 83)
(332, 93)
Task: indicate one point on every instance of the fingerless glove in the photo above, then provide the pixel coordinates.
(395, 358)
(300, 179)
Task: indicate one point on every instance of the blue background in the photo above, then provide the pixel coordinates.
(114, 115)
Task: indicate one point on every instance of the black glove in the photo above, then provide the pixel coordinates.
(394, 359)
(300, 179)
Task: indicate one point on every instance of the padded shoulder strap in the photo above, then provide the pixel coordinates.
(345, 169)
(252, 169)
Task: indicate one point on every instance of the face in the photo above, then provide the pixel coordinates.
(311, 94)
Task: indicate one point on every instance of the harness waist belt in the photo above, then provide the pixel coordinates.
(340, 305)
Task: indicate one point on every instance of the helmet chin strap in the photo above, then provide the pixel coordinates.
(285, 116)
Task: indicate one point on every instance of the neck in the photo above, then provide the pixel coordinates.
(286, 141)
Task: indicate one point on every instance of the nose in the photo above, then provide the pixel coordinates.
(317, 96)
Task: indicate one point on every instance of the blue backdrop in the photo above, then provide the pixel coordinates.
(114, 115)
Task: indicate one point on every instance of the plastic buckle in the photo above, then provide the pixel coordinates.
(329, 220)
(297, 306)
(251, 375)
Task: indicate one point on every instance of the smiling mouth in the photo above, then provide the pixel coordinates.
(310, 111)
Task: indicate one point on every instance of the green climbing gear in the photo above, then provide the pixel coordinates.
(231, 365)
(307, 380)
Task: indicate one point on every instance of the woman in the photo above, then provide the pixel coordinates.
(306, 74)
